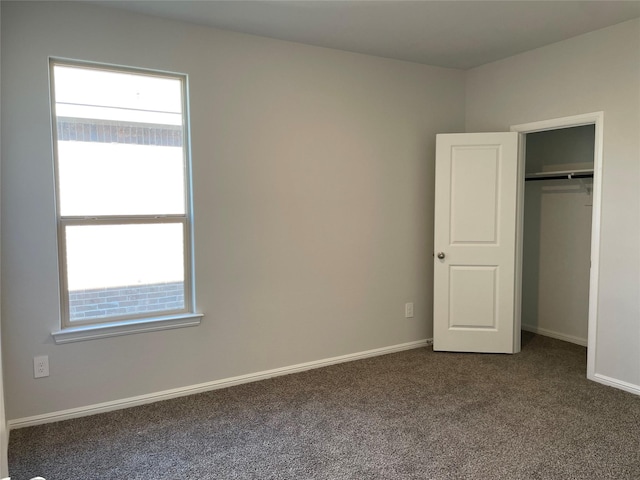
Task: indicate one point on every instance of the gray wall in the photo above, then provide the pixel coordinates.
(313, 190)
(4, 433)
(556, 256)
(562, 149)
(599, 71)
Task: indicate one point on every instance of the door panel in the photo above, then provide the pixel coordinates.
(474, 218)
(475, 229)
(478, 286)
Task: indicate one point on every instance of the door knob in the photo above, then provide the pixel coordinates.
(441, 255)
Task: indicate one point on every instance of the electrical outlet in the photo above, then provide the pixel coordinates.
(41, 366)
(408, 310)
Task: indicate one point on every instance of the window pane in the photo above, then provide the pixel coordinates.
(117, 95)
(119, 144)
(130, 269)
(116, 179)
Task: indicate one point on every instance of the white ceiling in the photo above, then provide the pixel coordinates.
(453, 33)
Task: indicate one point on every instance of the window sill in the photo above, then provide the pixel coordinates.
(128, 327)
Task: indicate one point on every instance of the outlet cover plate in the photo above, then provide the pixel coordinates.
(41, 366)
(408, 310)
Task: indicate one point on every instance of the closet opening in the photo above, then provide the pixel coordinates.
(560, 165)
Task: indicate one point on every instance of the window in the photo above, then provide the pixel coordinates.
(123, 202)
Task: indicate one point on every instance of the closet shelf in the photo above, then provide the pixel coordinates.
(559, 175)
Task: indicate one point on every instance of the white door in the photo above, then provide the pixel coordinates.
(475, 243)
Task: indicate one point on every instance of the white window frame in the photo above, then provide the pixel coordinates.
(76, 330)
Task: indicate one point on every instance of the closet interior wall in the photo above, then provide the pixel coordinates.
(557, 234)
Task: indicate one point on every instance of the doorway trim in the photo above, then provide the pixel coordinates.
(597, 119)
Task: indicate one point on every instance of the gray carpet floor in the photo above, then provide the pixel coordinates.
(410, 415)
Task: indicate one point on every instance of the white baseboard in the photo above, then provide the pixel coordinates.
(557, 335)
(205, 387)
(612, 382)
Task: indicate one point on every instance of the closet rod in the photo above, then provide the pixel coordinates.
(555, 176)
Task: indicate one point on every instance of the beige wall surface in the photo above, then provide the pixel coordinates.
(313, 203)
(599, 71)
